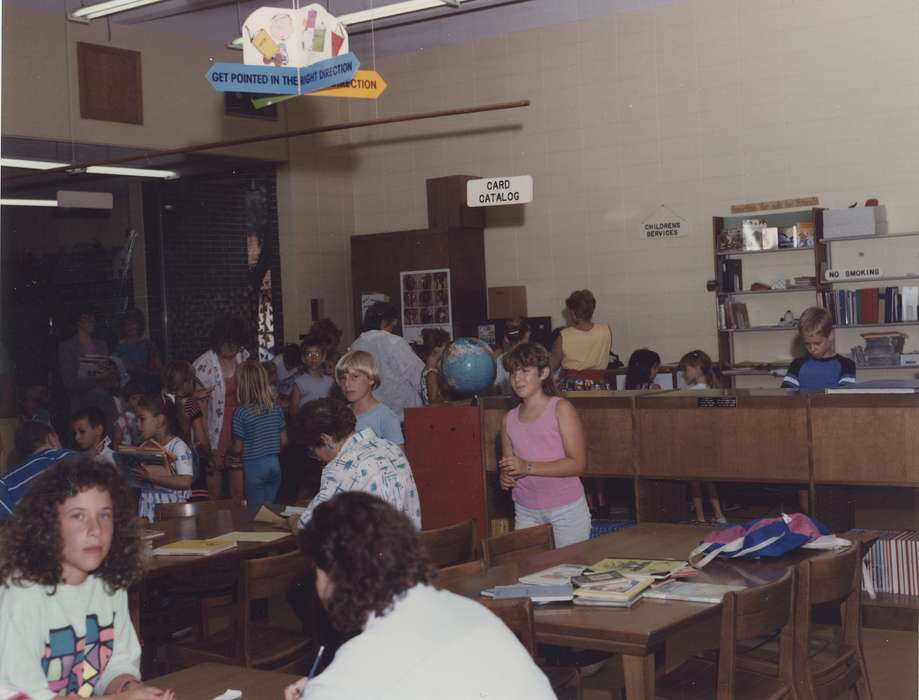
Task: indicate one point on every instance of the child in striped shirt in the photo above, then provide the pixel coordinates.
(159, 421)
(259, 433)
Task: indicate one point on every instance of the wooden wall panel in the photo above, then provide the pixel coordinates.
(110, 83)
(609, 432)
(763, 439)
(866, 444)
(443, 447)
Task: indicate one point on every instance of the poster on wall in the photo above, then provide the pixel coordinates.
(425, 302)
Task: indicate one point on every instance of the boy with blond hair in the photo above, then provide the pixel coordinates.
(358, 375)
(821, 368)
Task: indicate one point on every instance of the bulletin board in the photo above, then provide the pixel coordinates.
(425, 297)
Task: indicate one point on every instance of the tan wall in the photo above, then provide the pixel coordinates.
(683, 104)
(697, 105)
(41, 93)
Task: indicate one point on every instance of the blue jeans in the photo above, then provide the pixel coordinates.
(570, 523)
(263, 478)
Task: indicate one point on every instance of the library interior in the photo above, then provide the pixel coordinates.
(459, 349)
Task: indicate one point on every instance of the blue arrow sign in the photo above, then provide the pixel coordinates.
(235, 77)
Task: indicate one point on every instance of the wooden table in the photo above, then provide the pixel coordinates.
(207, 681)
(209, 525)
(641, 632)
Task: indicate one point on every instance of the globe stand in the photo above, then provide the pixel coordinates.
(474, 401)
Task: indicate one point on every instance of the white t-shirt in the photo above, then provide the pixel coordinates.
(77, 640)
(184, 465)
(432, 644)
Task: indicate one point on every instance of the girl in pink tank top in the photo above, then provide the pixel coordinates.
(543, 450)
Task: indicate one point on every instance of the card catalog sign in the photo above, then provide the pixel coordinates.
(498, 191)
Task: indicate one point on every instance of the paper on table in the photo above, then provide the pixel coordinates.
(230, 695)
(265, 515)
(249, 537)
(292, 510)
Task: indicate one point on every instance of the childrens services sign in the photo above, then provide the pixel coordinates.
(664, 223)
(288, 52)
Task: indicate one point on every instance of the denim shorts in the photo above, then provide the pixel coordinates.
(570, 522)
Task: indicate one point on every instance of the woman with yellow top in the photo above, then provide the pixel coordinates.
(582, 352)
(582, 349)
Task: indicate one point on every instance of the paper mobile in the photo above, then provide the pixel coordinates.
(284, 37)
(288, 52)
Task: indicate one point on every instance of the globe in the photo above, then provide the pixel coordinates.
(468, 366)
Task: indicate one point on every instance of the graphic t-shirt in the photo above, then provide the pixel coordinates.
(74, 641)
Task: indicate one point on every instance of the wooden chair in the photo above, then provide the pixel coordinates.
(518, 544)
(839, 666)
(247, 642)
(447, 577)
(448, 546)
(168, 511)
(747, 614)
(517, 614)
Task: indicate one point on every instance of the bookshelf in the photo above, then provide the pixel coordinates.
(751, 332)
(761, 308)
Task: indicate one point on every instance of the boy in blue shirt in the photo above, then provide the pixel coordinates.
(821, 368)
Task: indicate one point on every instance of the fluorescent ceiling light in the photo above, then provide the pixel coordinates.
(377, 13)
(28, 202)
(30, 164)
(110, 7)
(134, 172)
(394, 10)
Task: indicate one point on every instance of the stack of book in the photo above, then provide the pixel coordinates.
(872, 305)
(618, 592)
(893, 562)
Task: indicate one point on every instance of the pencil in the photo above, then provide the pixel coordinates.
(316, 661)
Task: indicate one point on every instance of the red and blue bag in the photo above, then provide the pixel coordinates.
(766, 537)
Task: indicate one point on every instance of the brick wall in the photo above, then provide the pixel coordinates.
(205, 223)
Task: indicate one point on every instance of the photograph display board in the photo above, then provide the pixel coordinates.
(425, 302)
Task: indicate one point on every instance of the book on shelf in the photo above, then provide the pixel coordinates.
(731, 275)
(656, 568)
(690, 592)
(733, 315)
(618, 592)
(872, 305)
(561, 593)
(892, 562)
(203, 548)
(555, 575)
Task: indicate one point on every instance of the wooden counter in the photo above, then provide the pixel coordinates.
(866, 439)
(741, 435)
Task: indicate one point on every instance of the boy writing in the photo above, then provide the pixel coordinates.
(821, 368)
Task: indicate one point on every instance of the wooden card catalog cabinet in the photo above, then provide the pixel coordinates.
(866, 439)
(740, 435)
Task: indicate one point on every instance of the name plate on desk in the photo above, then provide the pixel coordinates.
(716, 402)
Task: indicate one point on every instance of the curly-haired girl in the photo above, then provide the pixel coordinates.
(66, 562)
(407, 637)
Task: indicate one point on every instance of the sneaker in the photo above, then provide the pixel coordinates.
(720, 520)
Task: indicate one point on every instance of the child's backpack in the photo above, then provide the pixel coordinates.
(766, 537)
